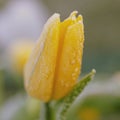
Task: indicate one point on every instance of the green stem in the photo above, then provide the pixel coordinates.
(46, 112)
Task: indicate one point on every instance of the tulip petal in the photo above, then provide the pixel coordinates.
(70, 60)
(40, 69)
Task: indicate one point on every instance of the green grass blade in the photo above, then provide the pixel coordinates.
(71, 97)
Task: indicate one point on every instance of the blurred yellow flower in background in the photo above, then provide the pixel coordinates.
(89, 114)
(55, 63)
(19, 54)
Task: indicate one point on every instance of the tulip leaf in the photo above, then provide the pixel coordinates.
(72, 96)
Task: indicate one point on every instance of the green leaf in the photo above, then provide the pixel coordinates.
(71, 97)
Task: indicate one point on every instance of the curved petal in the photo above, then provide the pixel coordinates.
(70, 60)
(40, 69)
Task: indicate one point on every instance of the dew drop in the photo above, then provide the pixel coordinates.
(73, 74)
(62, 82)
(73, 62)
(80, 22)
(79, 60)
(74, 54)
(76, 69)
(73, 18)
(74, 78)
(66, 85)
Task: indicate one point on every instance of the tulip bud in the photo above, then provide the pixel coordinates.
(55, 63)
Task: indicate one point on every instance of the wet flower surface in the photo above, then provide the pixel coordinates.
(55, 63)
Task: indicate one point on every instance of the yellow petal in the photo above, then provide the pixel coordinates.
(40, 69)
(69, 63)
(55, 62)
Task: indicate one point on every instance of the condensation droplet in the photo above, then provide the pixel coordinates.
(74, 78)
(76, 69)
(74, 54)
(66, 85)
(79, 60)
(79, 51)
(73, 74)
(62, 82)
(73, 18)
(73, 62)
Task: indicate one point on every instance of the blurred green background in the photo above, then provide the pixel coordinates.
(21, 22)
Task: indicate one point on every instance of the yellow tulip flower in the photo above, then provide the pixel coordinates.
(55, 62)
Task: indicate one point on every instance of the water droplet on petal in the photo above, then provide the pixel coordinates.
(73, 74)
(74, 78)
(74, 54)
(79, 60)
(66, 85)
(73, 62)
(62, 82)
(76, 69)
